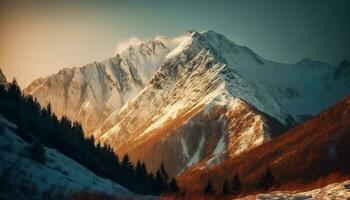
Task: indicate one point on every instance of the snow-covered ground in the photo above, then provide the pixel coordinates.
(336, 191)
(24, 177)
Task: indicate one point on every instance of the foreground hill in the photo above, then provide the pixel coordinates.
(310, 155)
(23, 178)
(333, 191)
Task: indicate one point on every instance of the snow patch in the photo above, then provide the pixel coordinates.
(196, 155)
(184, 148)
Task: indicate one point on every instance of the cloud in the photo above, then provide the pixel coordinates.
(122, 45)
(167, 41)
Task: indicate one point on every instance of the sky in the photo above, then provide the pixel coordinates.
(37, 38)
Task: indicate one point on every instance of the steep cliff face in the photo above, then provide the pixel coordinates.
(198, 97)
(88, 94)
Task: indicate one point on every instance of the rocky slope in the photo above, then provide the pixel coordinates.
(308, 156)
(88, 94)
(213, 99)
(199, 97)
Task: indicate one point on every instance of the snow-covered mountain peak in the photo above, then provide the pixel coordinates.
(344, 62)
(89, 93)
(311, 64)
(3, 79)
(342, 72)
(180, 92)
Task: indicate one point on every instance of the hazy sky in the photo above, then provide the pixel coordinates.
(38, 38)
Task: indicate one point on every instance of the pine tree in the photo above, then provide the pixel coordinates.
(173, 185)
(144, 170)
(37, 152)
(236, 185)
(14, 91)
(127, 164)
(43, 126)
(49, 109)
(139, 171)
(159, 182)
(225, 188)
(266, 181)
(208, 189)
(163, 172)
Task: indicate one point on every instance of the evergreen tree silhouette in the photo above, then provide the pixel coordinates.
(159, 182)
(208, 189)
(14, 91)
(37, 152)
(163, 172)
(266, 181)
(49, 109)
(225, 188)
(40, 126)
(174, 186)
(236, 185)
(138, 170)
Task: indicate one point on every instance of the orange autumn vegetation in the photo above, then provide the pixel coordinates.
(309, 156)
(142, 147)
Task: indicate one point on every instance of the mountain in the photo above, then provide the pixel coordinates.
(24, 178)
(3, 79)
(311, 155)
(205, 98)
(213, 99)
(88, 94)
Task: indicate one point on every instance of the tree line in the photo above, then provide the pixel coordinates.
(235, 187)
(40, 126)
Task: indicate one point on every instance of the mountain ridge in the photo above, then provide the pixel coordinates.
(208, 78)
(213, 78)
(308, 156)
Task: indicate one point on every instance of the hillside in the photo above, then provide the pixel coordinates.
(21, 177)
(310, 155)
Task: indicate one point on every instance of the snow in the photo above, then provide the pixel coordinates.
(196, 156)
(2, 78)
(221, 143)
(249, 136)
(170, 112)
(333, 191)
(152, 83)
(207, 70)
(220, 146)
(58, 171)
(184, 148)
(186, 40)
